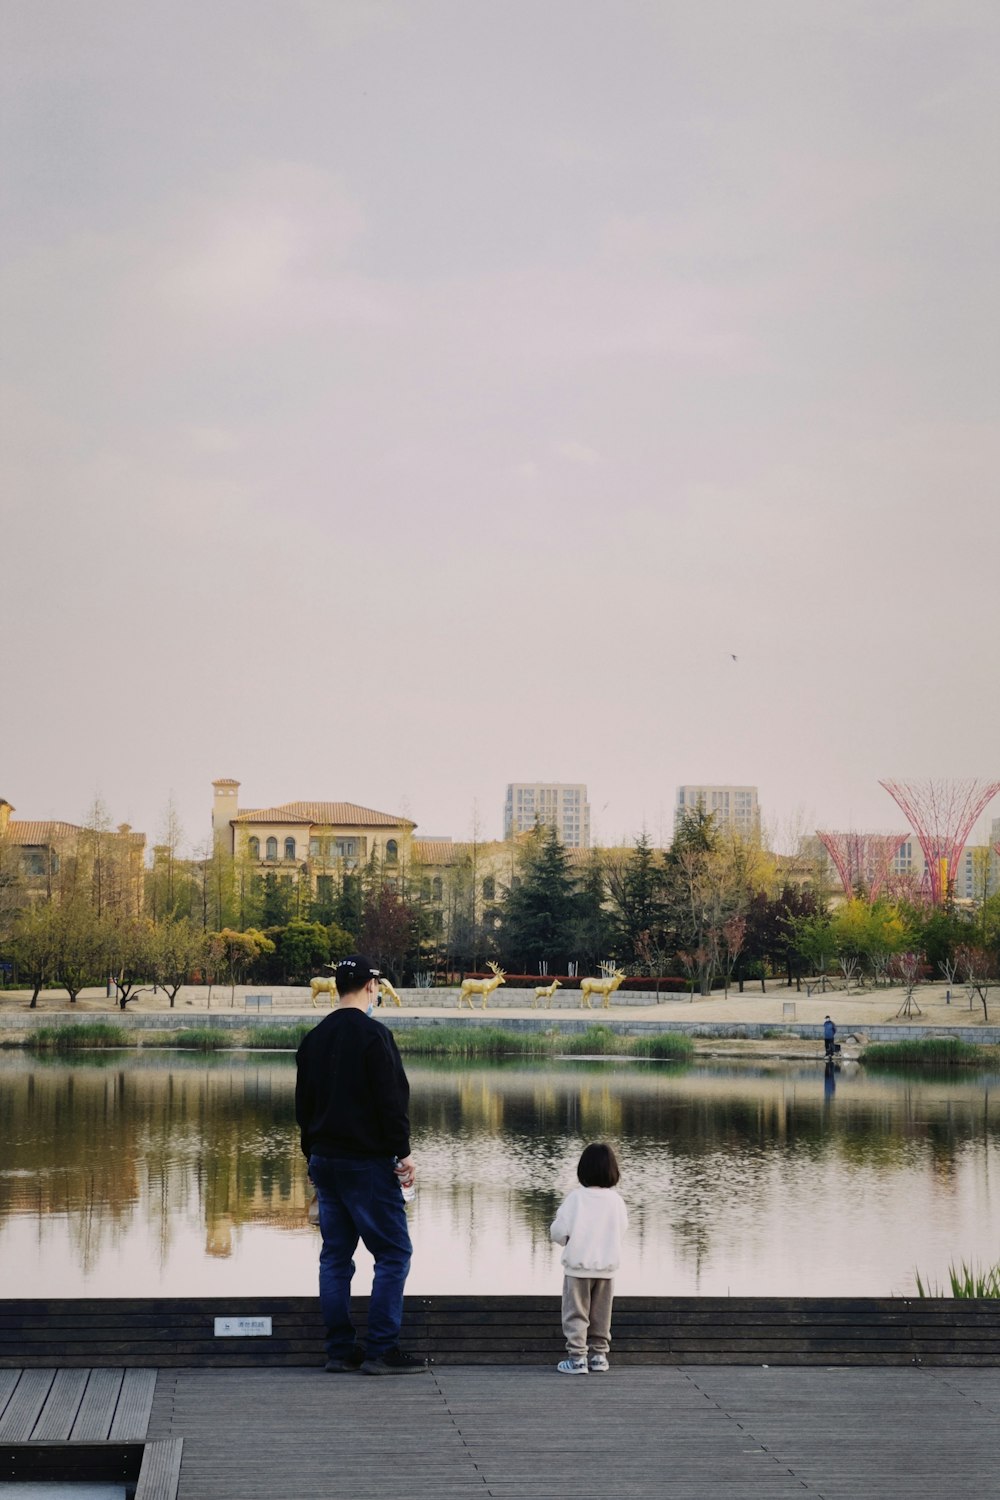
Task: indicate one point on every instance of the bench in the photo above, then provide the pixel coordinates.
(258, 1002)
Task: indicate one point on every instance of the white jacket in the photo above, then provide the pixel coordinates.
(590, 1223)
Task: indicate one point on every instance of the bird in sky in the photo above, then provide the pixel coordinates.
(732, 657)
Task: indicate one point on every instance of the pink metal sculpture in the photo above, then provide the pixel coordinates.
(942, 814)
(863, 860)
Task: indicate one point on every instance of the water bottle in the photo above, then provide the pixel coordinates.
(409, 1193)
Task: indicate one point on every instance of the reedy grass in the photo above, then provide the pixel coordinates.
(596, 1041)
(931, 1051)
(670, 1044)
(202, 1039)
(77, 1037)
(414, 1041)
(276, 1038)
(965, 1281)
(469, 1041)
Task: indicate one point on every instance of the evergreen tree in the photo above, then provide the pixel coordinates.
(540, 913)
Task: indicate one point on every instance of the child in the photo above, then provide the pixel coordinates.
(590, 1223)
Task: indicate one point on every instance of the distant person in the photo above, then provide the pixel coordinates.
(590, 1224)
(351, 1102)
(829, 1032)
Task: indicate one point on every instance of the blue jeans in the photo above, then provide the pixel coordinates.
(359, 1198)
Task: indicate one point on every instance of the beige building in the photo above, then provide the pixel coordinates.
(47, 853)
(321, 839)
(733, 807)
(562, 805)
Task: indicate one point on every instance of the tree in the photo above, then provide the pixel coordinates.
(539, 913)
(592, 934)
(177, 948)
(978, 969)
(636, 892)
(303, 950)
(866, 936)
(813, 940)
(238, 950)
(129, 946)
(734, 931)
(388, 929)
(81, 945)
(34, 945)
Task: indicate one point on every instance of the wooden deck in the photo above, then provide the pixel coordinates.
(712, 1433)
(84, 1424)
(694, 1433)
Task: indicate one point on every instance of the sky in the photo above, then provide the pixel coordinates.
(402, 399)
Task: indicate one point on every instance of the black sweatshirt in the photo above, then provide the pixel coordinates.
(351, 1094)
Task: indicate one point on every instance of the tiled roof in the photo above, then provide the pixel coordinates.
(435, 851)
(269, 815)
(331, 814)
(45, 832)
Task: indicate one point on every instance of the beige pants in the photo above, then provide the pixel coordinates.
(586, 1313)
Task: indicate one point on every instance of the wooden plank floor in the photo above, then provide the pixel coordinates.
(692, 1433)
(75, 1405)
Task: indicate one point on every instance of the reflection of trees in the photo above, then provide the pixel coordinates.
(706, 1146)
(99, 1143)
(171, 1139)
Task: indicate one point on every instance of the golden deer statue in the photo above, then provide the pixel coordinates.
(323, 987)
(386, 989)
(329, 987)
(484, 987)
(545, 992)
(604, 987)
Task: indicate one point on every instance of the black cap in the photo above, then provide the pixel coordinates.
(353, 973)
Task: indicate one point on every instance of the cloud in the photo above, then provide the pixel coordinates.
(576, 453)
(274, 249)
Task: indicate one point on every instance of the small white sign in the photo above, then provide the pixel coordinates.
(243, 1328)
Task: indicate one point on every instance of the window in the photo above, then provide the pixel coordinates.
(33, 863)
(489, 889)
(346, 848)
(289, 848)
(314, 848)
(272, 848)
(437, 888)
(391, 852)
(254, 846)
(425, 890)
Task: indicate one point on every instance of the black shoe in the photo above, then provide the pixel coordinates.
(346, 1363)
(394, 1362)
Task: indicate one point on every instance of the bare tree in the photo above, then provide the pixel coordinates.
(978, 970)
(908, 966)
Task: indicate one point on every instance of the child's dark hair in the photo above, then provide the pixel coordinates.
(598, 1166)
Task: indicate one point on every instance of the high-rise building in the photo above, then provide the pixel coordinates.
(733, 807)
(562, 805)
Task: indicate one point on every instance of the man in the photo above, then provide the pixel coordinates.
(829, 1032)
(351, 1100)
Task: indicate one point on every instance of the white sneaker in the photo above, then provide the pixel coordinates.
(598, 1363)
(572, 1366)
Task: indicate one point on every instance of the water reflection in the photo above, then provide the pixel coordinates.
(170, 1174)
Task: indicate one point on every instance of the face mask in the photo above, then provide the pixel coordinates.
(370, 1009)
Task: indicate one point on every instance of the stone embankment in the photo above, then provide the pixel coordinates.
(753, 1017)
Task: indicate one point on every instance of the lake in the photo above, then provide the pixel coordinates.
(167, 1174)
